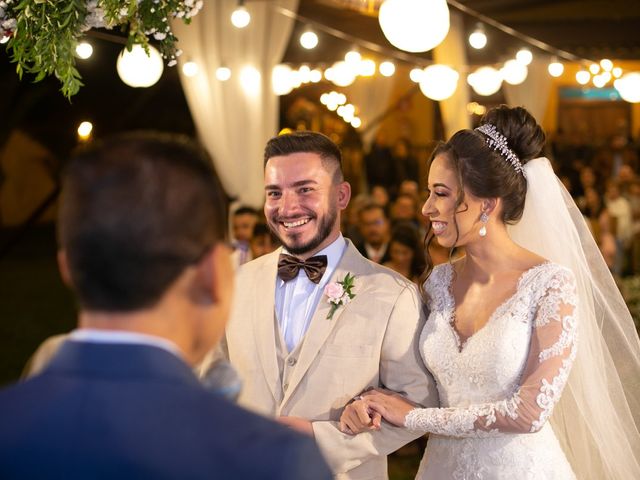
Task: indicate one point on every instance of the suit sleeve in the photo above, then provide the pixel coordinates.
(401, 370)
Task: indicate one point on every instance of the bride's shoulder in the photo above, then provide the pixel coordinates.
(550, 275)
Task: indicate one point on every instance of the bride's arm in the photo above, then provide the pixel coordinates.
(551, 354)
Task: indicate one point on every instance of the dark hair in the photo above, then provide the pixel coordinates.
(485, 172)
(136, 210)
(244, 210)
(369, 206)
(406, 234)
(307, 142)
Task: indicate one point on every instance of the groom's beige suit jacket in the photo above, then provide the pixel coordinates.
(370, 342)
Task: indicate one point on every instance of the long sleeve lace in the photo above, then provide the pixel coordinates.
(551, 354)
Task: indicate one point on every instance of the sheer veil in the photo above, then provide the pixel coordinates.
(598, 415)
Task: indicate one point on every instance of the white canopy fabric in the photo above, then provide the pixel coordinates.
(233, 123)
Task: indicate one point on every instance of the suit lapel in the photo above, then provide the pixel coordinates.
(265, 324)
(320, 326)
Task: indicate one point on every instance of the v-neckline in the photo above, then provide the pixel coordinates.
(461, 345)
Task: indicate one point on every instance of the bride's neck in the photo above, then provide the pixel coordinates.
(494, 253)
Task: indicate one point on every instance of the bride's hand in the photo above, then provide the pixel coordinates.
(392, 406)
(357, 417)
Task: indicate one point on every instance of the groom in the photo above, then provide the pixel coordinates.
(301, 357)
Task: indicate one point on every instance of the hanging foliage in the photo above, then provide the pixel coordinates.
(43, 34)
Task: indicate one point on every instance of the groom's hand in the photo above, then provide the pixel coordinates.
(357, 417)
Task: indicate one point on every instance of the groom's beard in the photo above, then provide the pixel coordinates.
(325, 226)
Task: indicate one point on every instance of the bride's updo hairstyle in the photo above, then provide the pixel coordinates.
(487, 170)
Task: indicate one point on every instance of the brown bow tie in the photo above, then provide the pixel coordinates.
(289, 266)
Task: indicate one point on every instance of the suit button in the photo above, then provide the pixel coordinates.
(291, 361)
(285, 386)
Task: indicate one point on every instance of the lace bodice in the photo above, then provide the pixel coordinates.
(508, 376)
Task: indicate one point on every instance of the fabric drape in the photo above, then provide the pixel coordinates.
(233, 123)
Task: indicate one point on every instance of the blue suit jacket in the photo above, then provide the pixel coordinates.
(134, 411)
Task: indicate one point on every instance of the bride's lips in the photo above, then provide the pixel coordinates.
(438, 227)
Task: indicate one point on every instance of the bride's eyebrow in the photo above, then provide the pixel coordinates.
(440, 185)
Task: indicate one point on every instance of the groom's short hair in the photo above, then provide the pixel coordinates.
(307, 142)
(136, 210)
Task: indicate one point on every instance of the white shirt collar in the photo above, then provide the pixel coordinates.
(94, 335)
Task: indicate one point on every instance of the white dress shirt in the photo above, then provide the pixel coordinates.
(297, 299)
(94, 335)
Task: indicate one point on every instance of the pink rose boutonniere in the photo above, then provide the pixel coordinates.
(339, 293)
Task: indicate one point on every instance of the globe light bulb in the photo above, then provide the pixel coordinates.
(583, 77)
(524, 56)
(84, 130)
(190, 69)
(309, 40)
(240, 17)
(387, 68)
(223, 73)
(478, 39)
(555, 68)
(84, 50)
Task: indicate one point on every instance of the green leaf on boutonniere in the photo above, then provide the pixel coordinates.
(339, 293)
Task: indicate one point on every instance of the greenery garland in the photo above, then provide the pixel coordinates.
(43, 34)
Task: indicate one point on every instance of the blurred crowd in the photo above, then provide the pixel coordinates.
(603, 179)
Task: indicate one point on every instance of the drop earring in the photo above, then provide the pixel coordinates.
(484, 218)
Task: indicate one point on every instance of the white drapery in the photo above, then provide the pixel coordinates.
(371, 95)
(452, 52)
(533, 93)
(232, 123)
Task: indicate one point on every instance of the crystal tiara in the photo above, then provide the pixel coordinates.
(498, 142)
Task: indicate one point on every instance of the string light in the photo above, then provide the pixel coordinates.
(309, 39)
(240, 17)
(478, 38)
(84, 50)
(387, 68)
(223, 73)
(190, 69)
(555, 68)
(524, 56)
(583, 77)
(84, 130)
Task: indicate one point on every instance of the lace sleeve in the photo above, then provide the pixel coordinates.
(551, 354)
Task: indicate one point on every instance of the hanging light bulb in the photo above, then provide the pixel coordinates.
(84, 130)
(250, 79)
(223, 73)
(137, 69)
(629, 87)
(617, 72)
(281, 79)
(583, 77)
(190, 69)
(439, 82)
(367, 68)
(606, 64)
(416, 74)
(353, 57)
(485, 81)
(524, 56)
(240, 17)
(594, 68)
(84, 50)
(387, 68)
(356, 122)
(514, 72)
(309, 39)
(555, 67)
(414, 25)
(478, 39)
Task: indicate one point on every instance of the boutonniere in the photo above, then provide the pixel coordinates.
(339, 293)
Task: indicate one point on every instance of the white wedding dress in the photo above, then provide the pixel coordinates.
(498, 388)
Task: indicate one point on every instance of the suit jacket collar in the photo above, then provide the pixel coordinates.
(320, 327)
(123, 361)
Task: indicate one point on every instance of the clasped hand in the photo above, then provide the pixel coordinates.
(368, 409)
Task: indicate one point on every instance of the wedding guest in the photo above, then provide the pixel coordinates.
(501, 339)
(380, 196)
(262, 241)
(405, 253)
(154, 285)
(243, 221)
(315, 323)
(374, 228)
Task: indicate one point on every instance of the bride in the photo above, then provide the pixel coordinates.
(533, 350)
